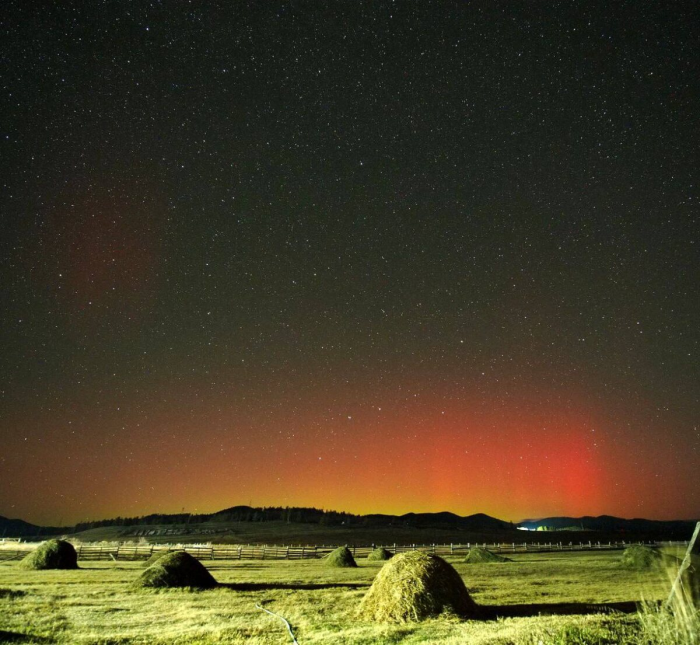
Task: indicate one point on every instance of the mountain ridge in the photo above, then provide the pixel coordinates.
(608, 523)
(476, 522)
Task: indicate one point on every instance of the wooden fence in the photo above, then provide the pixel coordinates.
(130, 551)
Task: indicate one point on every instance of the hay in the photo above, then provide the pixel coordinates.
(177, 569)
(380, 554)
(54, 554)
(341, 557)
(641, 558)
(414, 586)
(479, 555)
(157, 555)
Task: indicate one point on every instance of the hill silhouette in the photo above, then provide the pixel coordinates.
(278, 521)
(20, 528)
(611, 524)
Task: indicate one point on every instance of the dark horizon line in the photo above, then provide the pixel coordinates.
(357, 515)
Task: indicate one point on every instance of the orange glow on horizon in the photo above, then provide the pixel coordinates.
(511, 461)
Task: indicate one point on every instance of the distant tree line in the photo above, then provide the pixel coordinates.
(287, 514)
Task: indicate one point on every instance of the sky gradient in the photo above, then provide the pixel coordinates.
(371, 257)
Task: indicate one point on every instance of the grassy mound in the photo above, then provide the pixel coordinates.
(177, 569)
(413, 586)
(54, 554)
(479, 555)
(341, 557)
(641, 558)
(380, 554)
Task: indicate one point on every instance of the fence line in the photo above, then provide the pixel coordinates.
(130, 551)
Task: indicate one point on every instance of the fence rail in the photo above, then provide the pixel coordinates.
(130, 551)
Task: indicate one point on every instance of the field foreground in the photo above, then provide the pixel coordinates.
(540, 598)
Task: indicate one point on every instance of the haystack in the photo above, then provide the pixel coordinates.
(641, 558)
(479, 555)
(341, 557)
(380, 553)
(54, 554)
(413, 586)
(177, 569)
(155, 556)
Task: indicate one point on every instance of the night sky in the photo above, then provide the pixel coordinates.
(364, 256)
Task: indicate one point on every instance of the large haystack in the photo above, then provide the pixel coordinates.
(641, 558)
(341, 557)
(380, 553)
(54, 554)
(479, 555)
(413, 586)
(178, 569)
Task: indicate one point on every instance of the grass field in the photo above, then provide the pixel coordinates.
(551, 598)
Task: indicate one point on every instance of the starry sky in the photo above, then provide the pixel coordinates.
(365, 256)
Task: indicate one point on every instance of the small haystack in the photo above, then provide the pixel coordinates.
(641, 558)
(380, 553)
(413, 586)
(155, 556)
(54, 554)
(479, 555)
(177, 569)
(341, 557)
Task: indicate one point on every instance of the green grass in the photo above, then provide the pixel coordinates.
(538, 598)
